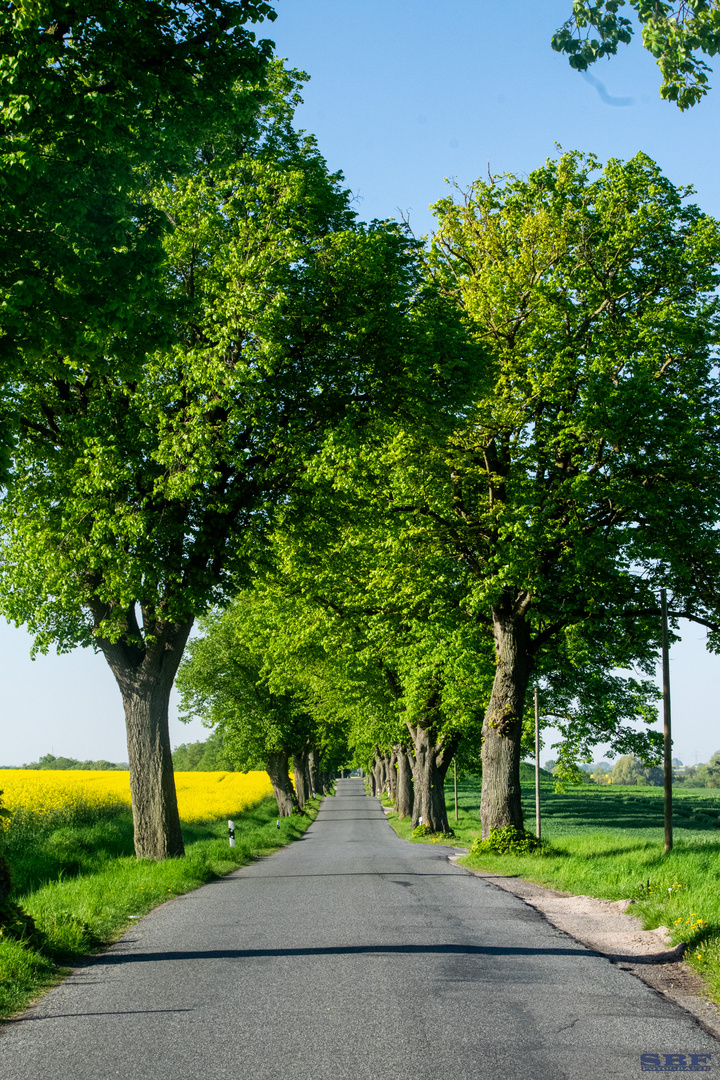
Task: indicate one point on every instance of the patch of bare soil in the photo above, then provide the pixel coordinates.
(608, 927)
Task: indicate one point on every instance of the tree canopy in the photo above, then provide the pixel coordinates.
(677, 34)
(244, 678)
(100, 101)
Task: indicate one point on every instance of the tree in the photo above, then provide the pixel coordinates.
(406, 666)
(676, 35)
(629, 770)
(99, 101)
(712, 771)
(206, 756)
(139, 498)
(594, 300)
(226, 680)
(704, 775)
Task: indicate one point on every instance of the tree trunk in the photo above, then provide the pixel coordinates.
(392, 775)
(500, 802)
(404, 794)
(5, 879)
(145, 674)
(14, 921)
(378, 772)
(430, 766)
(417, 801)
(313, 760)
(277, 770)
(372, 781)
(301, 778)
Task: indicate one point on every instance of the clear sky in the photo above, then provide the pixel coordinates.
(404, 93)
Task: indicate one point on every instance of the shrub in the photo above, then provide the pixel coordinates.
(506, 841)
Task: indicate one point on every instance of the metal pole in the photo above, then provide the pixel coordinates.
(455, 779)
(667, 748)
(537, 766)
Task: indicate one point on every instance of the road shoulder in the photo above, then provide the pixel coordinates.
(608, 928)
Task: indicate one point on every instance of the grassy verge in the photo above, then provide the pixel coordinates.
(608, 843)
(84, 887)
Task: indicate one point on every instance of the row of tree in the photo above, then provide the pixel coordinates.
(706, 775)
(420, 477)
(630, 770)
(49, 761)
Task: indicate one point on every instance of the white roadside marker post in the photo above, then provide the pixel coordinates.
(231, 832)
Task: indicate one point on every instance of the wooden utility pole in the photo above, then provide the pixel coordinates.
(667, 733)
(537, 766)
(455, 780)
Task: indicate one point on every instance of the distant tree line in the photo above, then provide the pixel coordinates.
(701, 776)
(49, 761)
(207, 756)
(630, 771)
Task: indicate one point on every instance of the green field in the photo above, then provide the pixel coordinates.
(608, 842)
(83, 886)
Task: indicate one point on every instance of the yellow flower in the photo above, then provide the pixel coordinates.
(202, 796)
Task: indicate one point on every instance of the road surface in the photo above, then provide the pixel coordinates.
(350, 954)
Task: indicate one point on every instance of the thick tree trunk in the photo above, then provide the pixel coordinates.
(500, 803)
(373, 783)
(392, 775)
(404, 790)
(431, 763)
(145, 675)
(302, 786)
(278, 771)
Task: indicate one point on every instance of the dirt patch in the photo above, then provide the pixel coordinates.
(609, 928)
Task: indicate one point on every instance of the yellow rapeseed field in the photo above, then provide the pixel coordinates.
(202, 796)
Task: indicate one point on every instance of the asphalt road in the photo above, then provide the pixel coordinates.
(350, 954)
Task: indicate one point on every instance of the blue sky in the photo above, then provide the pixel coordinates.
(404, 93)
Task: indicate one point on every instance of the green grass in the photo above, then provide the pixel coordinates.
(83, 886)
(608, 842)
